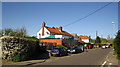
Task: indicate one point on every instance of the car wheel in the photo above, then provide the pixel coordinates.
(76, 52)
(51, 54)
(67, 54)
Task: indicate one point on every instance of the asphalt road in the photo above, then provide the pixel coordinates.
(92, 57)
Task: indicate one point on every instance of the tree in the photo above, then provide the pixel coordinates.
(98, 40)
(1, 32)
(110, 39)
(103, 41)
(6, 31)
(117, 44)
(20, 32)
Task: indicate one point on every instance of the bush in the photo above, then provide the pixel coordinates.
(118, 56)
(61, 46)
(18, 58)
(117, 45)
(33, 38)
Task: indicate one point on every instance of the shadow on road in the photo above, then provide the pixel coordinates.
(41, 56)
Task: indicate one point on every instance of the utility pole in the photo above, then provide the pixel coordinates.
(101, 36)
(118, 15)
(109, 38)
(96, 33)
(114, 32)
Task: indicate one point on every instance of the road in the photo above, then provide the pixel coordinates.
(92, 57)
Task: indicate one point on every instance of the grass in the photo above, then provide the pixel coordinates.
(7, 62)
(118, 56)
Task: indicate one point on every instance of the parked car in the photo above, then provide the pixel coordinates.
(76, 49)
(58, 51)
(90, 46)
(103, 46)
(81, 47)
(108, 46)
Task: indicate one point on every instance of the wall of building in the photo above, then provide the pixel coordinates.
(85, 40)
(70, 41)
(46, 33)
(57, 41)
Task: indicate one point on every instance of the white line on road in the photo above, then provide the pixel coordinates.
(109, 64)
(104, 63)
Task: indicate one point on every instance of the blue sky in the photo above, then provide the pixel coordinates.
(31, 15)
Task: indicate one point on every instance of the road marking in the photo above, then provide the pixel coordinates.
(109, 64)
(62, 57)
(107, 57)
(104, 63)
(57, 58)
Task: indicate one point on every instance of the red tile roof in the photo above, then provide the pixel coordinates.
(58, 31)
(84, 37)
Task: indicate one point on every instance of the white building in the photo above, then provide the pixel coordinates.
(85, 39)
(47, 32)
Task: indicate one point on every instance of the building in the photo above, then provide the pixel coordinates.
(75, 36)
(51, 36)
(84, 39)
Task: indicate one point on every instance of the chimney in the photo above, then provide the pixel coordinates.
(53, 27)
(89, 36)
(60, 28)
(43, 25)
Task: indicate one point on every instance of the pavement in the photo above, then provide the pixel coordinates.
(30, 62)
(110, 59)
(39, 59)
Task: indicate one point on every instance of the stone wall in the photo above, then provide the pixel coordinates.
(20, 46)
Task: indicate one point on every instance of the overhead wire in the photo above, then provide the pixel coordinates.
(89, 14)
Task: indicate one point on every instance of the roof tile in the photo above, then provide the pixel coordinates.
(84, 37)
(58, 31)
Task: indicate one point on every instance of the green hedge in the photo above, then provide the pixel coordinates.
(117, 45)
(118, 56)
(33, 38)
(18, 58)
(61, 46)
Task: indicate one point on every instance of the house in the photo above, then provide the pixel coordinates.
(75, 36)
(55, 36)
(84, 39)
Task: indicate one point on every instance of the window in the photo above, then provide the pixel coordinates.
(47, 32)
(39, 35)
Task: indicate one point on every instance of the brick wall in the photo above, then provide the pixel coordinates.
(57, 41)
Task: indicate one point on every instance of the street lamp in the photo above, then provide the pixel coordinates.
(113, 23)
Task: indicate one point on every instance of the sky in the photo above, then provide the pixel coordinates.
(31, 15)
